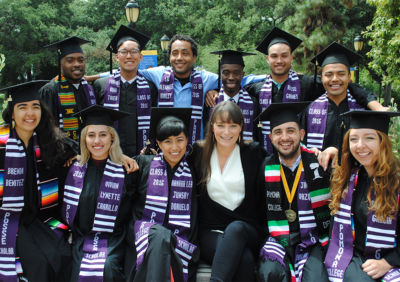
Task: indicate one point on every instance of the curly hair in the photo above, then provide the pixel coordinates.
(50, 138)
(183, 37)
(226, 112)
(385, 179)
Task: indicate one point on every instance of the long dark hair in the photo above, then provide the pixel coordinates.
(50, 138)
(226, 112)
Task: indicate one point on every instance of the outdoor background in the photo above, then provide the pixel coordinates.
(28, 25)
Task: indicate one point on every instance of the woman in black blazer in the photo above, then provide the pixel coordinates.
(230, 206)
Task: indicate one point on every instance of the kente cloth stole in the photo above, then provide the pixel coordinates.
(143, 107)
(66, 121)
(317, 117)
(155, 209)
(166, 99)
(12, 185)
(291, 93)
(312, 202)
(246, 105)
(95, 246)
(380, 238)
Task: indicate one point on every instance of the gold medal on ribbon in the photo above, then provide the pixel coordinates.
(291, 215)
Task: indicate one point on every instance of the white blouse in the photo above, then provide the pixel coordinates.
(227, 187)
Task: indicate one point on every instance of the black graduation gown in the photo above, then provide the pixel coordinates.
(160, 254)
(44, 255)
(360, 212)
(49, 95)
(333, 132)
(83, 223)
(128, 103)
(310, 91)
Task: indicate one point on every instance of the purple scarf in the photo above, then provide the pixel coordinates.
(166, 99)
(157, 199)
(317, 117)
(143, 107)
(246, 105)
(95, 246)
(291, 93)
(381, 236)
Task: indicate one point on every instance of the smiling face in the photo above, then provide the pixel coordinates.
(336, 79)
(280, 60)
(286, 140)
(173, 148)
(73, 67)
(182, 58)
(226, 132)
(26, 116)
(129, 56)
(98, 141)
(231, 76)
(364, 146)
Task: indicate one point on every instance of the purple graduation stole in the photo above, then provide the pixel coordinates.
(143, 106)
(67, 103)
(317, 117)
(166, 99)
(380, 236)
(247, 107)
(291, 93)
(155, 209)
(95, 246)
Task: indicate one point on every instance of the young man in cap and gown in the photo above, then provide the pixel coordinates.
(283, 84)
(127, 90)
(296, 198)
(69, 92)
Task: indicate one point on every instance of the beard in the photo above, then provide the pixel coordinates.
(287, 155)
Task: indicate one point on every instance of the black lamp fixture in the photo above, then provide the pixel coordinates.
(132, 10)
(164, 47)
(358, 46)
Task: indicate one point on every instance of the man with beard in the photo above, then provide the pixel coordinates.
(297, 194)
(69, 92)
(284, 85)
(322, 120)
(126, 90)
(231, 67)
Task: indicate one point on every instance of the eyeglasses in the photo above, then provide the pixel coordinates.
(132, 52)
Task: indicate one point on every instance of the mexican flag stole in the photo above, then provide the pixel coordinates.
(157, 198)
(312, 201)
(13, 166)
(67, 106)
(95, 245)
(381, 237)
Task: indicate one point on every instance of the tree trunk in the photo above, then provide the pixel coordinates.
(388, 95)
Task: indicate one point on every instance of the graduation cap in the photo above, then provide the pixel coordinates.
(377, 120)
(183, 114)
(279, 113)
(65, 47)
(24, 92)
(229, 57)
(99, 115)
(336, 53)
(277, 35)
(68, 46)
(123, 34)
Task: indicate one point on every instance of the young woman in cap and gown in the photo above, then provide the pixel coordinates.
(32, 154)
(365, 189)
(230, 206)
(97, 200)
(163, 229)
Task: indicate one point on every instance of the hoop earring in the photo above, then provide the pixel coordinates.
(12, 124)
(239, 139)
(189, 149)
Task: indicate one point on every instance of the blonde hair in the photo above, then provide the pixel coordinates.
(115, 152)
(385, 179)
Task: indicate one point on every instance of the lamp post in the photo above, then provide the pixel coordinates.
(164, 47)
(358, 45)
(132, 10)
